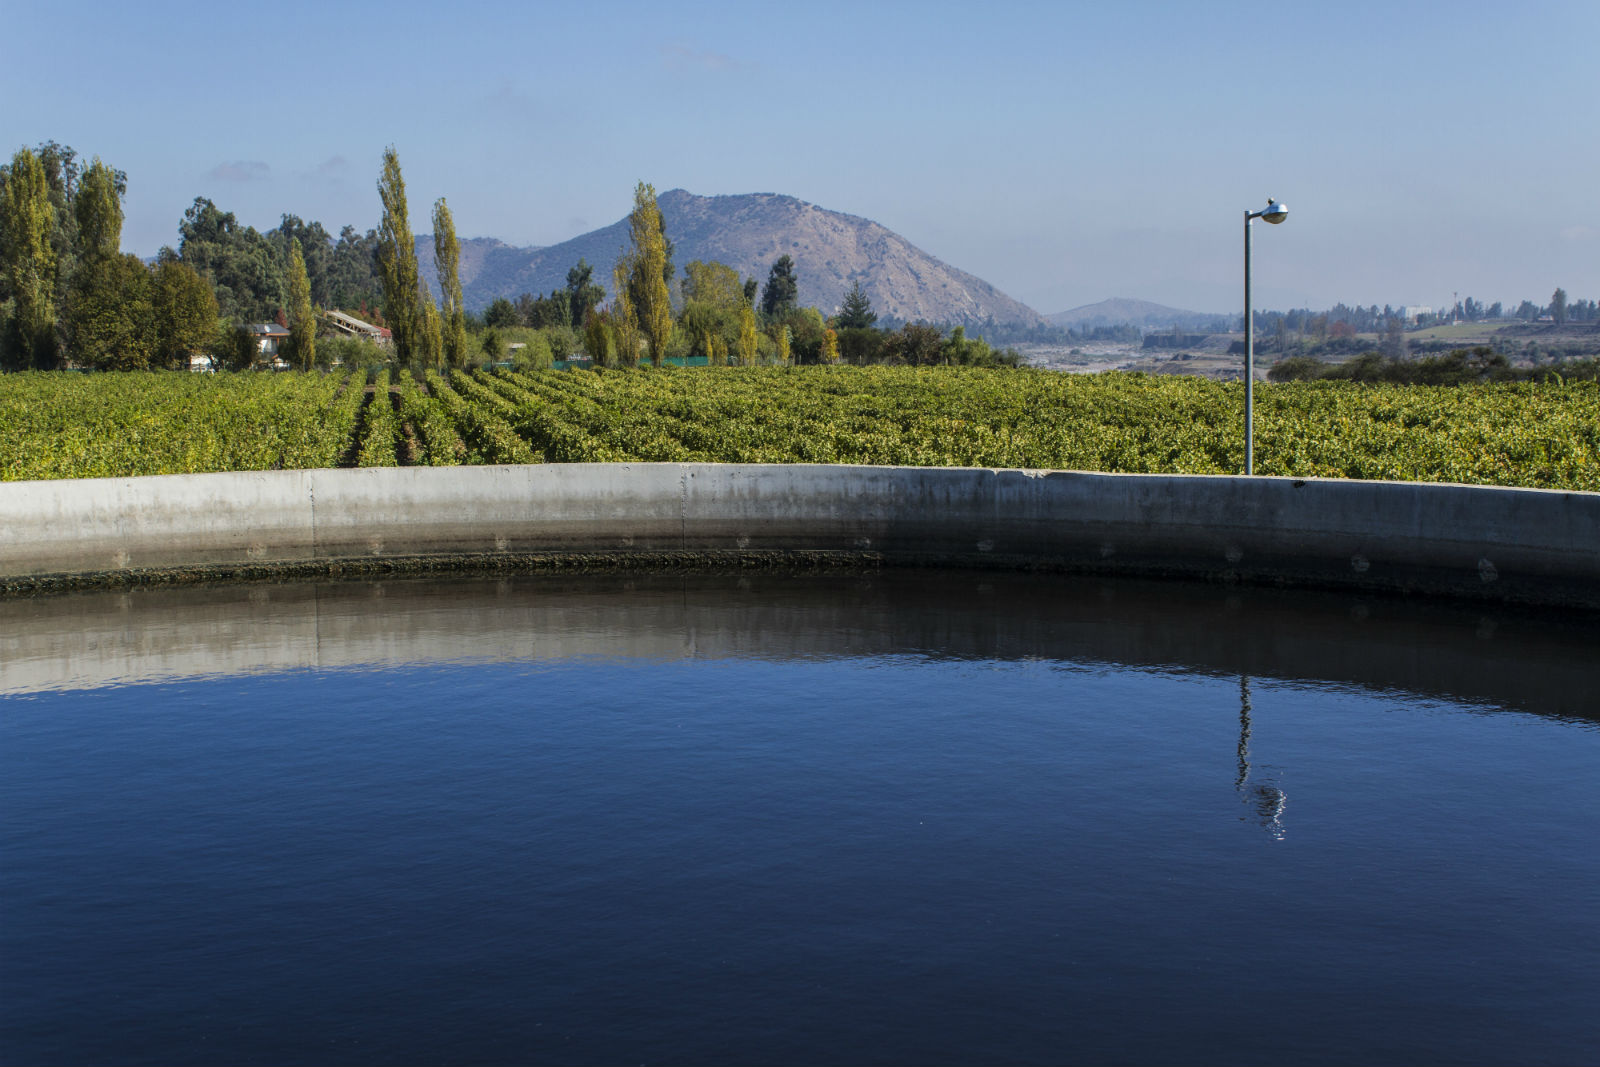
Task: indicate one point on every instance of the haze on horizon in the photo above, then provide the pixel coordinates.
(1064, 152)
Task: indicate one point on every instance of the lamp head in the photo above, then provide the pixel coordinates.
(1275, 212)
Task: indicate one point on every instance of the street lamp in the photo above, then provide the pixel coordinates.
(1274, 213)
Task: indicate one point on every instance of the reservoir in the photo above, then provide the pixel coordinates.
(894, 816)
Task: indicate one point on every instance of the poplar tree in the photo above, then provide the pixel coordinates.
(747, 336)
(99, 213)
(27, 218)
(830, 347)
(429, 347)
(397, 261)
(647, 272)
(447, 260)
(783, 345)
(302, 318)
(624, 316)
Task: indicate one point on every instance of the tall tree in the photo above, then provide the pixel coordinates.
(648, 265)
(624, 315)
(98, 208)
(397, 261)
(429, 349)
(746, 345)
(29, 262)
(1558, 306)
(302, 318)
(447, 260)
(856, 312)
(246, 269)
(110, 314)
(185, 314)
(782, 290)
(582, 293)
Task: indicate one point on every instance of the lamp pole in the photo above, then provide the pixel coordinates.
(1274, 213)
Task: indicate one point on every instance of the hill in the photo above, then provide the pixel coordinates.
(748, 232)
(1120, 311)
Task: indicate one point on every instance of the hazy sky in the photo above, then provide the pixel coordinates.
(1065, 152)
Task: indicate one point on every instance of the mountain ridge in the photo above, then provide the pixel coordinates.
(748, 232)
(1126, 311)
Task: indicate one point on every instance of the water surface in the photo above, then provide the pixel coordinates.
(945, 818)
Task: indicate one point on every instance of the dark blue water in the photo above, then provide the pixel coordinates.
(737, 853)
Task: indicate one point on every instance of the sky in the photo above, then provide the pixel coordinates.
(1065, 152)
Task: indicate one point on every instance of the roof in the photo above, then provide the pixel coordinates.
(267, 329)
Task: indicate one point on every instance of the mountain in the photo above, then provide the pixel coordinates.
(1120, 311)
(749, 232)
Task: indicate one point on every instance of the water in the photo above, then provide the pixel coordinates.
(906, 818)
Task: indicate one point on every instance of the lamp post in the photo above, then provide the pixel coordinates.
(1274, 213)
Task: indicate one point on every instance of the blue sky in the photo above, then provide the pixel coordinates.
(1065, 152)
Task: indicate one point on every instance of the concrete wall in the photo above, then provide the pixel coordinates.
(1504, 544)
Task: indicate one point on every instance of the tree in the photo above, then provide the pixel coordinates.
(316, 249)
(397, 262)
(447, 259)
(302, 319)
(746, 349)
(716, 284)
(582, 293)
(185, 314)
(1558, 306)
(501, 313)
(782, 339)
(29, 261)
(110, 315)
(856, 312)
(246, 269)
(830, 347)
(98, 209)
(643, 272)
(624, 320)
(782, 290)
(429, 349)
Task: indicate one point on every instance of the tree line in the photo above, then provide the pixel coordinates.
(70, 297)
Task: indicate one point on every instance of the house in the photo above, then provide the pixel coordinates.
(269, 338)
(351, 326)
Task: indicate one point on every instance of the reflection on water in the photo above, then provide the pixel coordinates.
(900, 817)
(1262, 793)
(1521, 661)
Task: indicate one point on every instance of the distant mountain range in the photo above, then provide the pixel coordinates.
(749, 232)
(1120, 311)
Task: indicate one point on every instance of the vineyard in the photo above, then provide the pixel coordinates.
(71, 426)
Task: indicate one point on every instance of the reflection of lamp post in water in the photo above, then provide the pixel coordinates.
(1268, 800)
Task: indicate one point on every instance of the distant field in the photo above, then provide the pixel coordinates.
(73, 425)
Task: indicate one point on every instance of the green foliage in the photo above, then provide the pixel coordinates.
(501, 313)
(98, 209)
(745, 346)
(116, 425)
(493, 347)
(397, 265)
(782, 289)
(643, 272)
(110, 314)
(246, 270)
(28, 260)
(302, 318)
(185, 314)
(380, 427)
(856, 312)
(447, 260)
(1558, 306)
(1531, 434)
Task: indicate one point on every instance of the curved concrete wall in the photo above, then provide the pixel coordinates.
(1506, 544)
